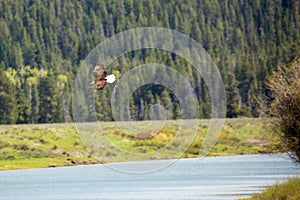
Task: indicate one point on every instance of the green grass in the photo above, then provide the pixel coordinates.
(49, 145)
(289, 190)
(31, 146)
(247, 136)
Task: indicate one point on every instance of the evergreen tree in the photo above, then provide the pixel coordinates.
(166, 102)
(23, 105)
(49, 101)
(8, 102)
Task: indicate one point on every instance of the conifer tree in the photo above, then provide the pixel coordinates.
(8, 107)
(49, 101)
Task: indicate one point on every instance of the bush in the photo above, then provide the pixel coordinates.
(6, 156)
(3, 144)
(21, 147)
(285, 107)
(289, 190)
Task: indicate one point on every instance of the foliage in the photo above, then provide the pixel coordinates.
(7, 100)
(289, 190)
(49, 103)
(285, 108)
(246, 39)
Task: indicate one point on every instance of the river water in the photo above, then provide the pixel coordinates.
(211, 178)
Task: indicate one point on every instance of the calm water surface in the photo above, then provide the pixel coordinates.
(212, 178)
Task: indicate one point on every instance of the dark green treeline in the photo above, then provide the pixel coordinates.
(42, 44)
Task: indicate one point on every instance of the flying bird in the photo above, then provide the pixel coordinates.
(101, 78)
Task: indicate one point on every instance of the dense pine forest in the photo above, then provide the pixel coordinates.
(43, 43)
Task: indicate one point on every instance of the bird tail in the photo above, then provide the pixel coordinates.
(111, 78)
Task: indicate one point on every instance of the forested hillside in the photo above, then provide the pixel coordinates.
(42, 44)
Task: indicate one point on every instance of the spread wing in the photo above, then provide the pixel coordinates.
(100, 77)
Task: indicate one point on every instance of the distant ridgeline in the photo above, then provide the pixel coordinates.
(42, 44)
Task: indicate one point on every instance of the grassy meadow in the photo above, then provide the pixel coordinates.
(52, 145)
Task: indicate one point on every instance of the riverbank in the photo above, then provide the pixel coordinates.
(289, 190)
(53, 145)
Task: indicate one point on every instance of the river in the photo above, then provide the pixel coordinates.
(211, 178)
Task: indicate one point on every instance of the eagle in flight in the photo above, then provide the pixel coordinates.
(101, 78)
